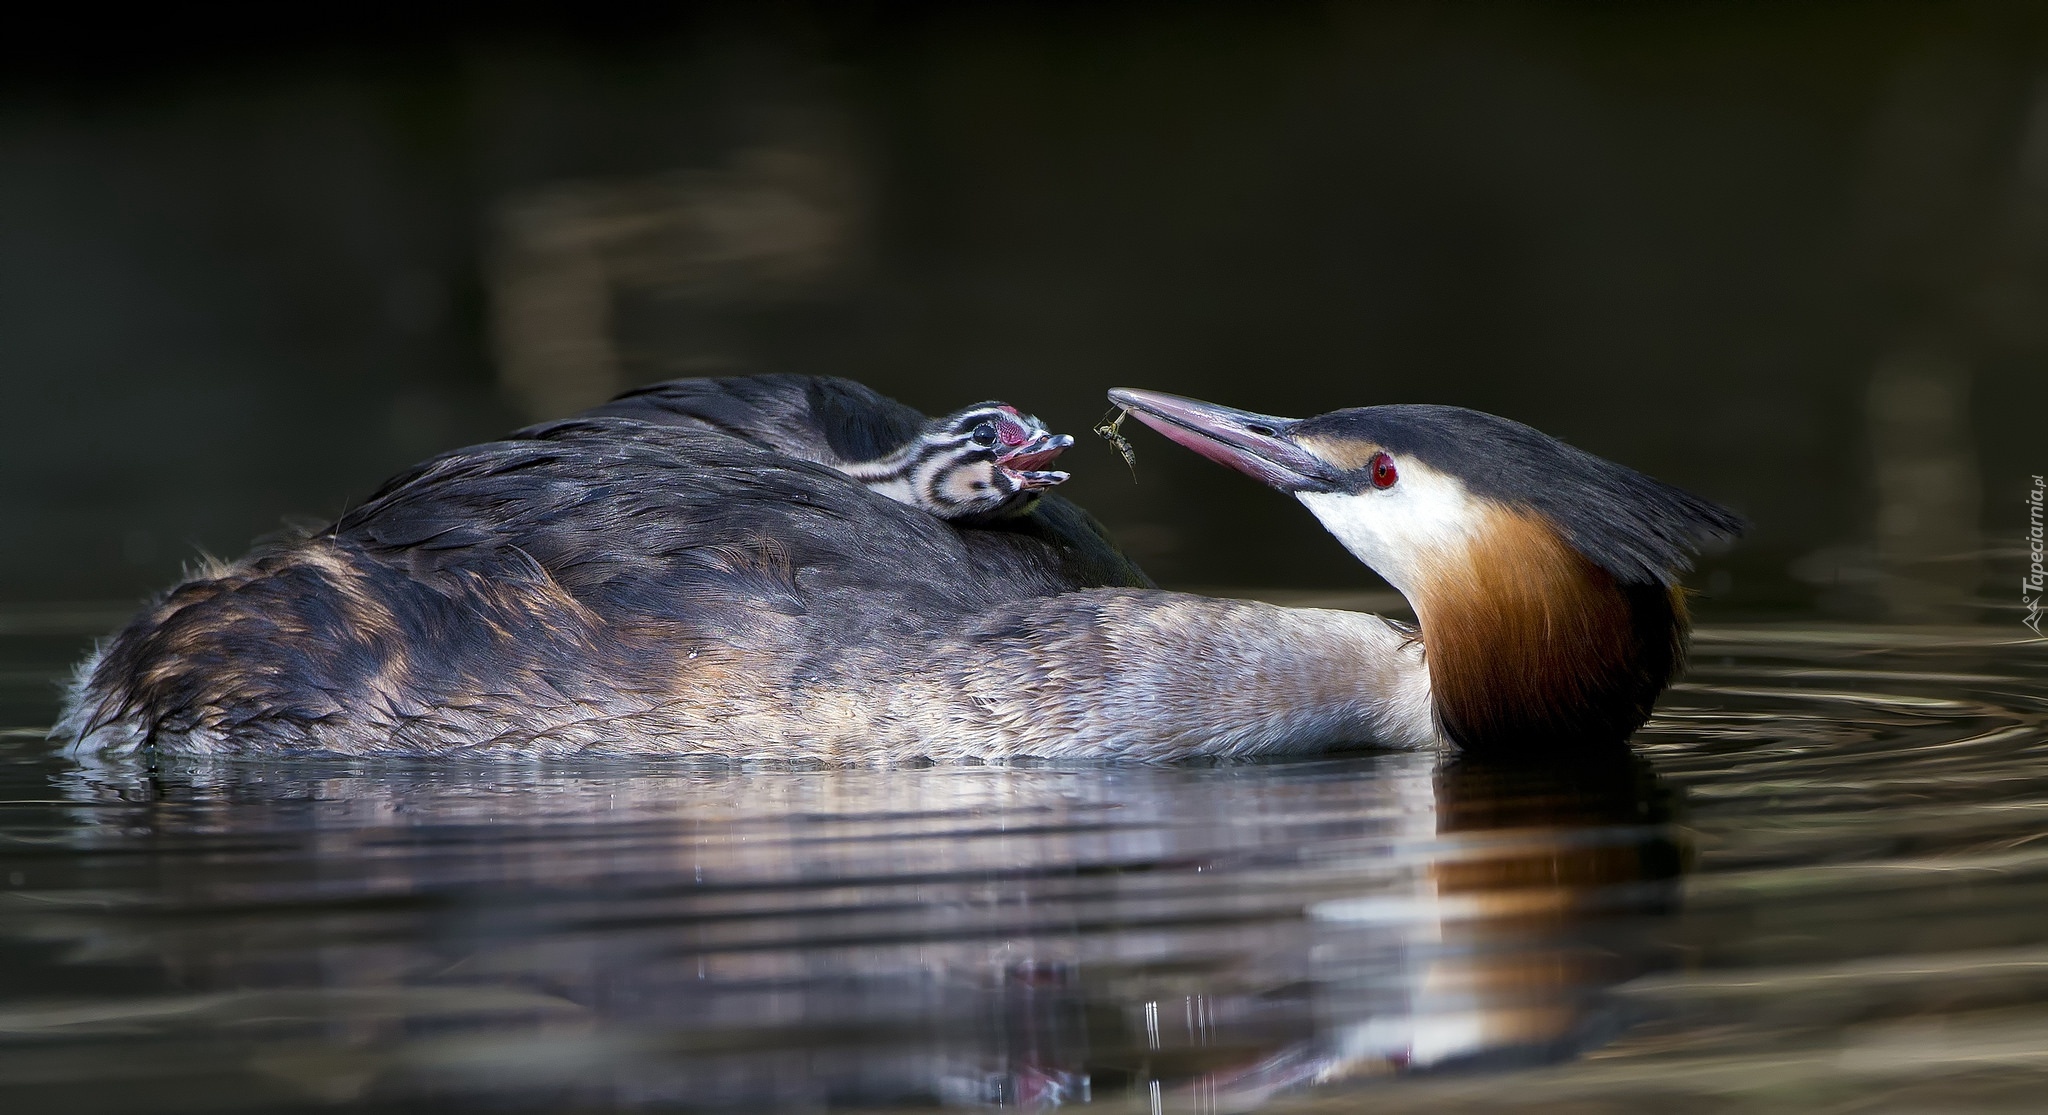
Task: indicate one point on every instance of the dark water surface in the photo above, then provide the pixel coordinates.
(1821, 884)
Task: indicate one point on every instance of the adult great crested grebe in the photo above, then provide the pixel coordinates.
(606, 585)
(1544, 579)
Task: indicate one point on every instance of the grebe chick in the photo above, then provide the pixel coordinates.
(849, 427)
(977, 464)
(614, 586)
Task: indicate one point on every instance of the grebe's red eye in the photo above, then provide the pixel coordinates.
(1382, 471)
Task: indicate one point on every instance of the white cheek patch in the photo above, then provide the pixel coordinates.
(1399, 532)
(960, 485)
(949, 483)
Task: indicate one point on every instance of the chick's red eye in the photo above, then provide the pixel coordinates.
(1382, 471)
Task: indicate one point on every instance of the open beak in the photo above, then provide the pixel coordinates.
(1255, 444)
(1029, 481)
(1025, 461)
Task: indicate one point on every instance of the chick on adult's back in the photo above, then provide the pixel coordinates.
(898, 451)
(591, 585)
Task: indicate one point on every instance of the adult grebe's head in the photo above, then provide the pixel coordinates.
(1545, 578)
(976, 464)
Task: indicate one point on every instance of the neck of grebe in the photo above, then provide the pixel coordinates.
(894, 476)
(1533, 646)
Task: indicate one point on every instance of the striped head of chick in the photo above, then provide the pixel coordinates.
(978, 464)
(1545, 579)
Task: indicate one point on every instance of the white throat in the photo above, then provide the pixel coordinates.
(1405, 531)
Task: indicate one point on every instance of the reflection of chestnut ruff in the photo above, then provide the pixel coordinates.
(612, 585)
(1533, 860)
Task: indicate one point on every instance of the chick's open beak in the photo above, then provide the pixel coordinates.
(1029, 481)
(1038, 451)
(1025, 461)
(1255, 444)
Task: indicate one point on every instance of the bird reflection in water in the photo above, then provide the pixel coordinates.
(1525, 898)
(1038, 937)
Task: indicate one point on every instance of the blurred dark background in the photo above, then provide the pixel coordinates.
(1792, 256)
